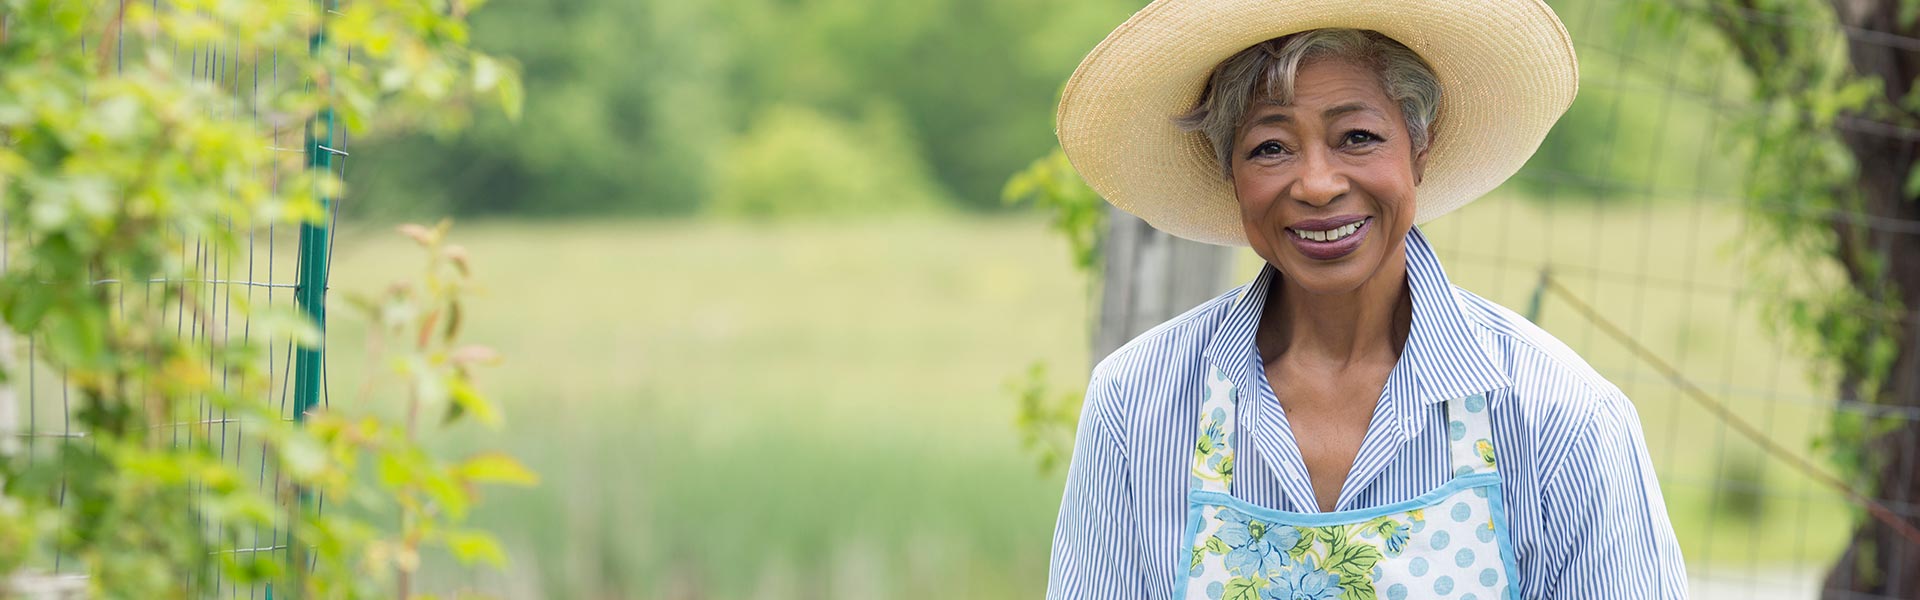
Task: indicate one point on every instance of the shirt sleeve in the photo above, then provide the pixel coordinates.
(1607, 531)
(1093, 553)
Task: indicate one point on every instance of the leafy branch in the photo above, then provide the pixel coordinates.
(1045, 418)
(115, 159)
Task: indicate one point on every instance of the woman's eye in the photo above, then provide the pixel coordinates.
(1267, 149)
(1360, 137)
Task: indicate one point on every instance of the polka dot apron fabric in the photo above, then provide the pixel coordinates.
(1450, 543)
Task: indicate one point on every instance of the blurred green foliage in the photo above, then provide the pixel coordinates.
(1044, 416)
(1077, 212)
(115, 156)
(795, 160)
(659, 107)
(779, 107)
(1639, 126)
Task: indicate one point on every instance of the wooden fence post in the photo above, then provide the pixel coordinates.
(1149, 277)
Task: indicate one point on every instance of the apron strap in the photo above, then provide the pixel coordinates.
(1469, 435)
(1212, 469)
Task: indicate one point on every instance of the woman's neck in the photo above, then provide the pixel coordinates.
(1335, 331)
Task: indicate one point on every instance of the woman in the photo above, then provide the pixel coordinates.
(1349, 424)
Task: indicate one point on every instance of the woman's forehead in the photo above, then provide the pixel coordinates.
(1326, 89)
(1324, 81)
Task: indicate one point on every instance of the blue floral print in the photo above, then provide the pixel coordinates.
(1255, 548)
(1244, 554)
(1396, 535)
(1303, 581)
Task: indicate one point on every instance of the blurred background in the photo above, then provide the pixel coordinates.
(771, 330)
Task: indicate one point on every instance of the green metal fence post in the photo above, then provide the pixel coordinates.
(310, 292)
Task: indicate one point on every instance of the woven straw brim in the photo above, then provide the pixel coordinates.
(1506, 70)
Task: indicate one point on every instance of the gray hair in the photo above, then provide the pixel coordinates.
(1267, 70)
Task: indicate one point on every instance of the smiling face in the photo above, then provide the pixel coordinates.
(1326, 182)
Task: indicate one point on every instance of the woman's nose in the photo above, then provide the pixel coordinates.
(1321, 181)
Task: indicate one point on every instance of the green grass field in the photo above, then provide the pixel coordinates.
(818, 410)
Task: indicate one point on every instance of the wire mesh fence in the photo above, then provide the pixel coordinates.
(271, 266)
(1635, 245)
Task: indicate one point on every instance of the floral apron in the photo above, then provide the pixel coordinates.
(1448, 543)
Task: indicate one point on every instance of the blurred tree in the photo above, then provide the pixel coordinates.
(634, 107)
(1834, 176)
(627, 108)
(1619, 139)
(797, 161)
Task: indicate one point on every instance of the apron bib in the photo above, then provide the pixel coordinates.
(1449, 543)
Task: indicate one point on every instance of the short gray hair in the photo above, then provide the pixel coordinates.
(1267, 70)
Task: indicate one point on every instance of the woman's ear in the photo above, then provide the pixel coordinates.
(1420, 160)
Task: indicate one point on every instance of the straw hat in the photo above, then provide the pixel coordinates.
(1506, 70)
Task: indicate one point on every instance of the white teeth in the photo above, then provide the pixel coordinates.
(1330, 235)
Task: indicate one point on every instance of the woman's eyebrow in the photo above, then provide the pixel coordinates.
(1351, 107)
(1281, 117)
(1272, 118)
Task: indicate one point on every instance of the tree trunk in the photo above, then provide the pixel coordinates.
(1878, 560)
(1150, 277)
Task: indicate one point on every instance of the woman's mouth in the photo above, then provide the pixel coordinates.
(1329, 239)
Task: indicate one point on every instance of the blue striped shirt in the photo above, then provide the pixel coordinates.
(1583, 505)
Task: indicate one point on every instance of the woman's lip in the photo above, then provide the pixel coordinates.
(1331, 250)
(1327, 223)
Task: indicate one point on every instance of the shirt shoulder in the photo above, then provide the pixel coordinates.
(1558, 401)
(1546, 374)
(1168, 353)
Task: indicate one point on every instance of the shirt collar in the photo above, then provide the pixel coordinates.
(1447, 352)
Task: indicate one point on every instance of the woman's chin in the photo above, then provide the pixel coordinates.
(1330, 277)
(1327, 280)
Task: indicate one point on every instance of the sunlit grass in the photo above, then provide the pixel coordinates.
(780, 411)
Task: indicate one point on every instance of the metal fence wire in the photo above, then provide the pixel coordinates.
(275, 265)
(1634, 245)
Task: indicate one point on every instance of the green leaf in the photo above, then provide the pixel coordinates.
(1216, 546)
(1332, 534)
(448, 493)
(1241, 588)
(467, 400)
(1363, 591)
(1305, 544)
(1383, 525)
(24, 306)
(1353, 561)
(512, 95)
(78, 335)
(496, 467)
(469, 545)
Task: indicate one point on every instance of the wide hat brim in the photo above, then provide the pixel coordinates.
(1506, 69)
